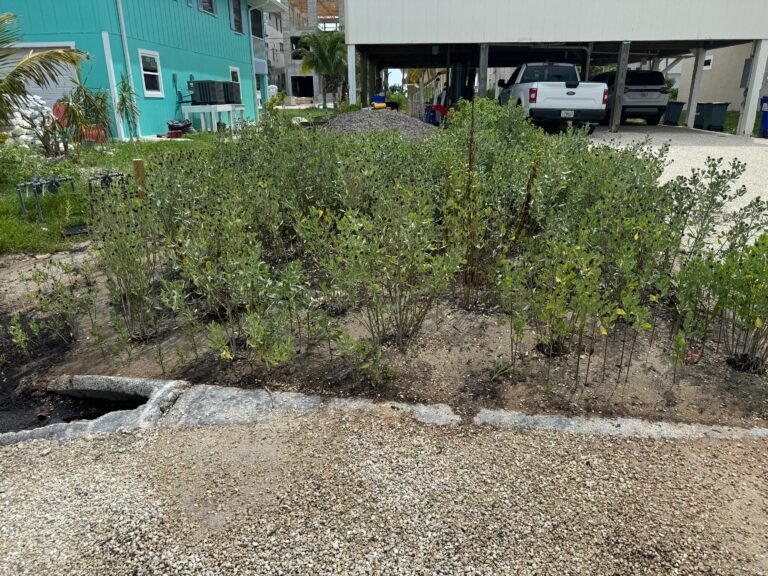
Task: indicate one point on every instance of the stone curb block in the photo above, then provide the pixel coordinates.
(620, 427)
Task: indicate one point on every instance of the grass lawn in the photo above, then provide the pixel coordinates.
(20, 234)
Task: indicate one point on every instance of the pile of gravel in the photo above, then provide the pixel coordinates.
(375, 120)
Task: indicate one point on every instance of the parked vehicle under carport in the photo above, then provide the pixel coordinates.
(646, 95)
(552, 94)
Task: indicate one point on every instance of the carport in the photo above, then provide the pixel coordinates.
(467, 38)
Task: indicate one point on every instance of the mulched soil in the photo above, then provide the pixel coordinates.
(23, 403)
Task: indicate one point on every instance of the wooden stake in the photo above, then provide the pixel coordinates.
(141, 177)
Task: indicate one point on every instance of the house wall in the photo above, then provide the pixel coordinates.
(188, 41)
(80, 22)
(722, 82)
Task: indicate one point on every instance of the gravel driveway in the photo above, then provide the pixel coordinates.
(690, 148)
(376, 493)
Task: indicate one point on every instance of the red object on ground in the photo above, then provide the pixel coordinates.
(60, 113)
(174, 134)
(442, 110)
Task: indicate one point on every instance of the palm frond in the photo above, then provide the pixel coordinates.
(38, 68)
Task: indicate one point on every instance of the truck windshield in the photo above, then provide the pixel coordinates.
(550, 74)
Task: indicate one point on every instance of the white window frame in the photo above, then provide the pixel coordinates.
(213, 4)
(151, 93)
(232, 17)
(711, 59)
(235, 69)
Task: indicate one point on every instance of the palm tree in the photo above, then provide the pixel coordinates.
(39, 68)
(126, 106)
(326, 54)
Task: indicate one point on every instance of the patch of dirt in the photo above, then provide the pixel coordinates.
(461, 358)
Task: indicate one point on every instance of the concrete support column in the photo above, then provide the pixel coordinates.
(587, 63)
(373, 78)
(754, 85)
(482, 72)
(352, 73)
(365, 95)
(312, 14)
(619, 84)
(693, 96)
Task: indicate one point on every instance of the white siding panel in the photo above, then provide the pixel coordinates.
(500, 21)
(53, 91)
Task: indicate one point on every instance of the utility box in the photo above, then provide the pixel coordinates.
(207, 92)
(232, 93)
(711, 116)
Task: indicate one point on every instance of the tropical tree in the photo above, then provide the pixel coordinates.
(39, 68)
(326, 54)
(126, 106)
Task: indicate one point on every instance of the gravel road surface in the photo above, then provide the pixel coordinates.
(376, 493)
(689, 149)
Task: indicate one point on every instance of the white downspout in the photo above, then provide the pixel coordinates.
(127, 55)
(112, 84)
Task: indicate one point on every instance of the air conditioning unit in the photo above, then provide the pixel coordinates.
(207, 92)
(232, 93)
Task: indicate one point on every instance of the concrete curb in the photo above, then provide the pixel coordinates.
(174, 403)
(621, 427)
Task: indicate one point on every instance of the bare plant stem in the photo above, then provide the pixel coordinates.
(631, 352)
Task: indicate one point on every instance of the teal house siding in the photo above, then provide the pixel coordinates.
(187, 41)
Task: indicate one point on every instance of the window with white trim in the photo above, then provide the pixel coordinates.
(236, 15)
(234, 74)
(151, 74)
(208, 6)
(709, 61)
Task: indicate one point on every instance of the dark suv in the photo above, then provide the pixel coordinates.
(645, 95)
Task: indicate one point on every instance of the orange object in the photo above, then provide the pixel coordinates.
(95, 134)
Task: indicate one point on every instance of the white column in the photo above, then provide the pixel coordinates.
(352, 73)
(754, 85)
(693, 96)
(312, 14)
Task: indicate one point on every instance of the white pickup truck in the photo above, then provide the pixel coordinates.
(554, 94)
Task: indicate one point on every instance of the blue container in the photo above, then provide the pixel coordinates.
(378, 99)
(763, 117)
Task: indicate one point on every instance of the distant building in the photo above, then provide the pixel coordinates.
(284, 32)
(722, 77)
